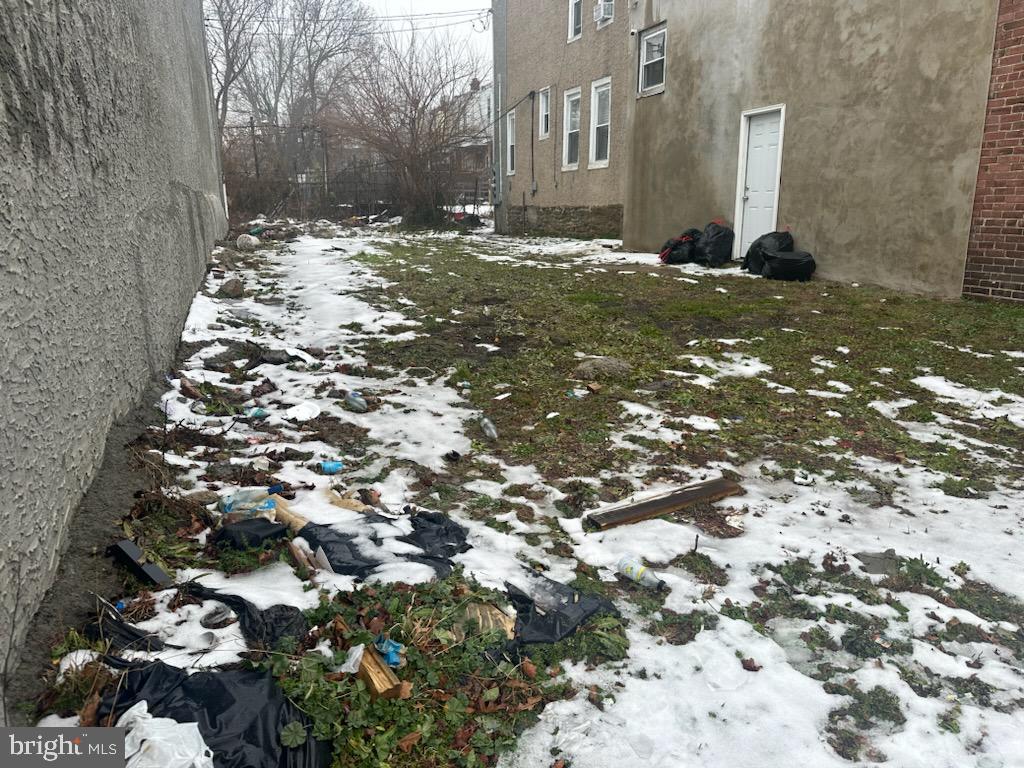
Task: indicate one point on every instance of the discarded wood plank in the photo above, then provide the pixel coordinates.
(375, 672)
(284, 515)
(671, 501)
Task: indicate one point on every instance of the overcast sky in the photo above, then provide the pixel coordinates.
(481, 41)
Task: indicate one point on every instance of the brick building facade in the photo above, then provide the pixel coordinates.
(995, 256)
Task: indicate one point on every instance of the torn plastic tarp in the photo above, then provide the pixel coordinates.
(159, 742)
(110, 627)
(249, 534)
(440, 538)
(437, 535)
(553, 611)
(339, 550)
(264, 628)
(240, 713)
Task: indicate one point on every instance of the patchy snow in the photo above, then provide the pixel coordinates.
(993, 404)
(669, 705)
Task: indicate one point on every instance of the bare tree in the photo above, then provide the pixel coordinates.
(306, 50)
(413, 103)
(233, 29)
(303, 59)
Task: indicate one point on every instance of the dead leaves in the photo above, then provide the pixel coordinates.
(407, 742)
(751, 666)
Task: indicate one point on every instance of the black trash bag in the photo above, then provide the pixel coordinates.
(773, 241)
(339, 549)
(436, 534)
(271, 357)
(782, 265)
(111, 628)
(249, 534)
(682, 249)
(714, 248)
(554, 612)
(265, 628)
(440, 538)
(239, 712)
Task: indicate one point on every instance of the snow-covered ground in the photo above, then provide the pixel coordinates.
(672, 705)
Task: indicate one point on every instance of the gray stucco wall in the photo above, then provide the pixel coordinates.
(110, 198)
(885, 104)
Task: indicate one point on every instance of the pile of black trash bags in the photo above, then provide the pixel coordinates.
(711, 248)
(773, 256)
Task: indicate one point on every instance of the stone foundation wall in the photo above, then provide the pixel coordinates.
(603, 221)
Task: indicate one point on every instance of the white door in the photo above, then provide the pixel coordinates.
(761, 183)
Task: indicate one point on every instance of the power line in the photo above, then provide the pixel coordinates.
(484, 18)
(375, 17)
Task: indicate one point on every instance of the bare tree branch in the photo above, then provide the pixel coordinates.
(413, 103)
(233, 27)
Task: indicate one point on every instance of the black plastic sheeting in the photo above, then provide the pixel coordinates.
(110, 627)
(249, 534)
(339, 549)
(553, 612)
(263, 627)
(240, 713)
(440, 538)
(437, 535)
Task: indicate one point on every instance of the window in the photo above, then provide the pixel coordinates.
(511, 118)
(600, 122)
(571, 131)
(575, 19)
(604, 13)
(544, 108)
(652, 60)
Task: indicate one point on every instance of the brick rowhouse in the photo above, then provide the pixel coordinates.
(995, 252)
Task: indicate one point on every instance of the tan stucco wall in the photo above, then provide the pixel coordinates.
(885, 104)
(539, 57)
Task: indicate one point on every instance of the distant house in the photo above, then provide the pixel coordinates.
(472, 159)
(889, 137)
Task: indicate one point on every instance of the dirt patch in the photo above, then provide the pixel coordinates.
(84, 571)
(346, 437)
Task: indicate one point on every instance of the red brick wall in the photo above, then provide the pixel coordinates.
(995, 253)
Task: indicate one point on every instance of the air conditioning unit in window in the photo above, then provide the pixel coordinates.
(604, 10)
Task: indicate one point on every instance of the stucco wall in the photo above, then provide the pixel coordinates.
(539, 57)
(110, 199)
(885, 107)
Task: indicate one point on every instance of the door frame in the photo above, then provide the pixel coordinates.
(741, 174)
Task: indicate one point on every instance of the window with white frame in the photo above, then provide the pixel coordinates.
(604, 13)
(511, 144)
(571, 130)
(652, 59)
(575, 19)
(544, 114)
(600, 122)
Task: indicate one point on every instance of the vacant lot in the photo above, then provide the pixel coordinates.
(857, 421)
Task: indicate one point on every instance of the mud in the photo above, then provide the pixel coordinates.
(84, 570)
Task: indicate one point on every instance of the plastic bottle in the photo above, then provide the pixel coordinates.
(331, 467)
(253, 502)
(354, 402)
(634, 570)
(488, 428)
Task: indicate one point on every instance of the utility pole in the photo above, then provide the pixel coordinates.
(323, 144)
(255, 154)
